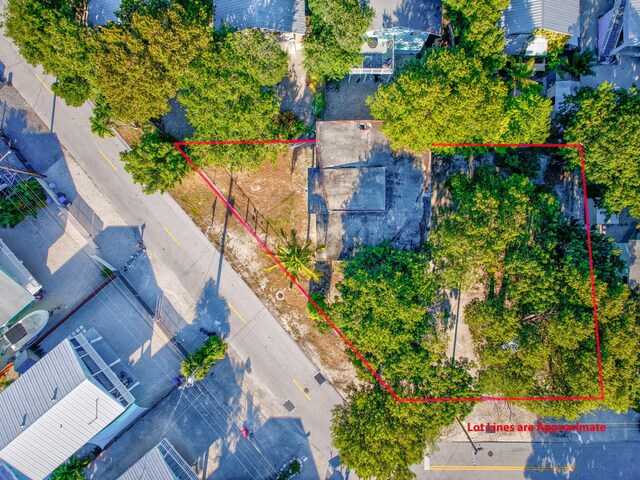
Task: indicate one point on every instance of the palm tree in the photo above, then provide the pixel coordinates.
(581, 64)
(101, 120)
(71, 470)
(519, 72)
(100, 127)
(297, 257)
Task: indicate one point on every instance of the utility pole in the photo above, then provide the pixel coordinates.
(455, 334)
(190, 379)
(473, 445)
(15, 170)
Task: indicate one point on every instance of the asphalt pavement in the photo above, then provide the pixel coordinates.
(533, 461)
(187, 260)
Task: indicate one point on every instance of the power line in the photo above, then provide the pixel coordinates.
(172, 348)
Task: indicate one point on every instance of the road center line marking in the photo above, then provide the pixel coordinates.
(171, 235)
(569, 468)
(236, 312)
(301, 389)
(43, 84)
(108, 160)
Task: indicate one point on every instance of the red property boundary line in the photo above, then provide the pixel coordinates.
(207, 180)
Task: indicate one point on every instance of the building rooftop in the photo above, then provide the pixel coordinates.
(57, 406)
(631, 23)
(364, 193)
(526, 16)
(101, 12)
(17, 285)
(419, 15)
(286, 16)
(161, 462)
(354, 189)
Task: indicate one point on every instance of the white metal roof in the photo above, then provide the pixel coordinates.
(13, 298)
(161, 462)
(419, 15)
(631, 21)
(278, 15)
(525, 16)
(13, 266)
(51, 411)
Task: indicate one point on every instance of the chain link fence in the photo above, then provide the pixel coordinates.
(241, 202)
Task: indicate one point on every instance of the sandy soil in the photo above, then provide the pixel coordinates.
(276, 194)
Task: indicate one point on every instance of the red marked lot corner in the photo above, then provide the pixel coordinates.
(207, 180)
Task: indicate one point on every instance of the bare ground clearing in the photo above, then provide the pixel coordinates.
(269, 199)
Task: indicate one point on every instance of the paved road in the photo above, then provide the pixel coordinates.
(537, 461)
(188, 257)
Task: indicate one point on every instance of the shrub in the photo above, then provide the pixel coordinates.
(319, 321)
(205, 357)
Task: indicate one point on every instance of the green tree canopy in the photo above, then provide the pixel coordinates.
(534, 329)
(386, 310)
(529, 115)
(448, 98)
(476, 24)
(337, 29)
(451, 98)
(378, 437)
(72, 469)
(297, 256)
(383, 310)
(47, 33)
(138, 64)
(490, 214)
(200, 362)
(19, 201)
(155, 163)
(225, 98)
(606, 121)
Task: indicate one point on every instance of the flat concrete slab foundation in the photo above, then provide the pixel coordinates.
(363, 192)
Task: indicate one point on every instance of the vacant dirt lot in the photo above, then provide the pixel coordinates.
(269, 199)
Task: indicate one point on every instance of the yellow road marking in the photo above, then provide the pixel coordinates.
(43, 84)
(569, 468)
(108, 160)
(301, 389)
(236, 312)
(171, 235)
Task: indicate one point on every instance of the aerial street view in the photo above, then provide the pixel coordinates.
(319, 239)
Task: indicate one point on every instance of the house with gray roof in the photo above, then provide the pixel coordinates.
(285, 16)
(522, 18)
(161, 462)
(58, 405)
(399, 27)
(619, 31)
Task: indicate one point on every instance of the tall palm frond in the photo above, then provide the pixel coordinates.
(581, 63)
(297, 257)
(519, 72)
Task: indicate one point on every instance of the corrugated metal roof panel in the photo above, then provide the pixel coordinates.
(101, 12)
(420, 15)
(632, 22)
(277, 15)
(150, 467)
(51, 411)
(161, 462)
(13, 267)
(13, 298)
(525, 16)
